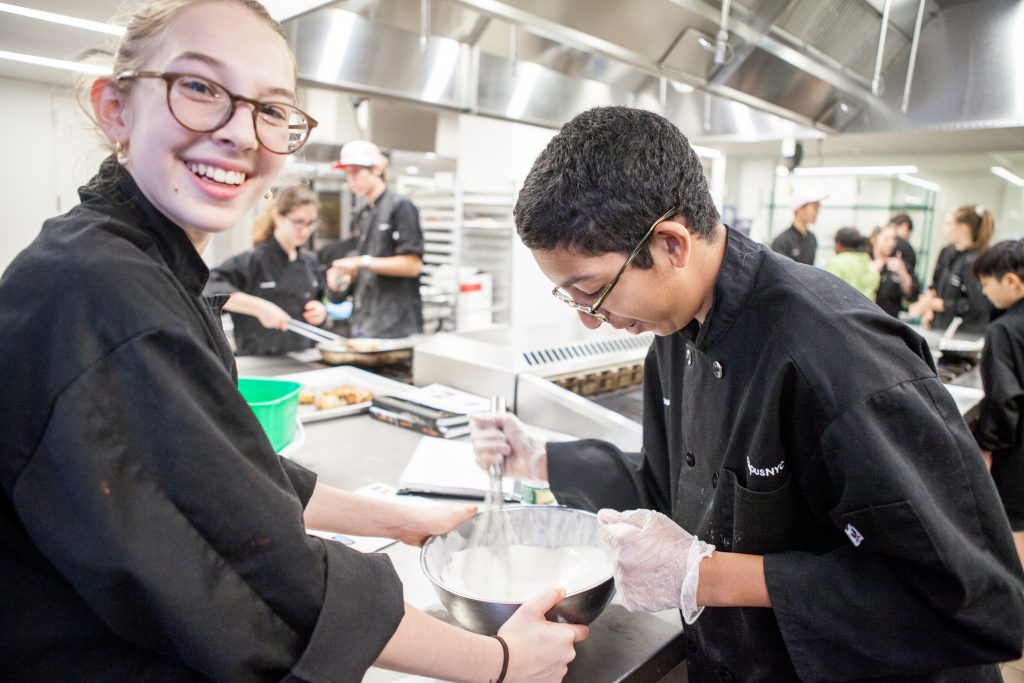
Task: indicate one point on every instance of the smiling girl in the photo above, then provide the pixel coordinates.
(148, 531)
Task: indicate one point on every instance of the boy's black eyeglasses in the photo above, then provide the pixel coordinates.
(593, 311)
(203, 106)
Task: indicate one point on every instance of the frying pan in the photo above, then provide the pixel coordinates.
(364, 351)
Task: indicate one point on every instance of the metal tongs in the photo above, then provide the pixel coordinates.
(954, 325)
(313, 332)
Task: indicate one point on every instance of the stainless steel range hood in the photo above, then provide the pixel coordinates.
(809, 62)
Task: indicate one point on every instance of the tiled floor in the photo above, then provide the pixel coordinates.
(1013, 672)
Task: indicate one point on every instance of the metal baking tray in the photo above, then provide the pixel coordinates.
(365, 352)
(328, 378)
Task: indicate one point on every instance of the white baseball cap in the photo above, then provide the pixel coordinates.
(803, 196)
(360, 153)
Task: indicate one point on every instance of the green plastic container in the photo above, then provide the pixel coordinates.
(275, 403)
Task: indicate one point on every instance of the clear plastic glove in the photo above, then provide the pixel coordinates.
(504, 438)
(656, 561)
(538, 649)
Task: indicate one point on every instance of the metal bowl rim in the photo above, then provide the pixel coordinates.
(437, 582)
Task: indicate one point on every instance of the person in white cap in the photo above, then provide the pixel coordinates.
(798, 242)
(385, 270)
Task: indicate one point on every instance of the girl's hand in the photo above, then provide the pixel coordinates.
(422, 523)
(272, 316)
(540, 650)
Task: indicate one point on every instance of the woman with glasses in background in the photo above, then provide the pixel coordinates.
(275, 280)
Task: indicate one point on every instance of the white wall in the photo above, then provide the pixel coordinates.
(748, 188)
(49, 151)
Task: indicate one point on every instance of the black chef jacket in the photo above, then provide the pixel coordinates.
(802, 423)
(148, 531)
(330, 251)
(386, 306)
(266, 272)
(796, 245)
(960, 291)
(1000, 428)
(890, 293)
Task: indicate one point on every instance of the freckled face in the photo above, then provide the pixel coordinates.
(229, 44)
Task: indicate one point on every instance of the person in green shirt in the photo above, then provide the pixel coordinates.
(852, 263)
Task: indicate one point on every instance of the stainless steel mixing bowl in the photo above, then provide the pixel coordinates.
(536, 525)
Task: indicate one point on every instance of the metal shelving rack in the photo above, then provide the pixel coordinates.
(462, 228)
(486, 242)
(439, 222)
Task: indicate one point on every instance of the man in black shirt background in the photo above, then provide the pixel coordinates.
(798, 242)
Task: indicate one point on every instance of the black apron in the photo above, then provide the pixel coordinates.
(387, 307)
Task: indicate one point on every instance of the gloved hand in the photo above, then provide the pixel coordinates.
(656, 561)
(504, 438)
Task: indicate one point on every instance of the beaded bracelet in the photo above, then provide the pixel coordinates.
(504, 661)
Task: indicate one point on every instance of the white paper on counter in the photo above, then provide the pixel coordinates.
(371, 544)
(445, 467)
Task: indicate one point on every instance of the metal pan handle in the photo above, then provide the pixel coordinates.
(312, 332)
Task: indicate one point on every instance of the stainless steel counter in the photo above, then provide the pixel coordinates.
(965, 388)
(352, 452)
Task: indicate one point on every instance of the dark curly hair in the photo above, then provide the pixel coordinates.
(605, 177)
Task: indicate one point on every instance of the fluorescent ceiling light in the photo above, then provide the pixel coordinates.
(80, 67)
(706, 152)
(919, 182)
(1008, 176)
(64, 19)
(854, 170)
